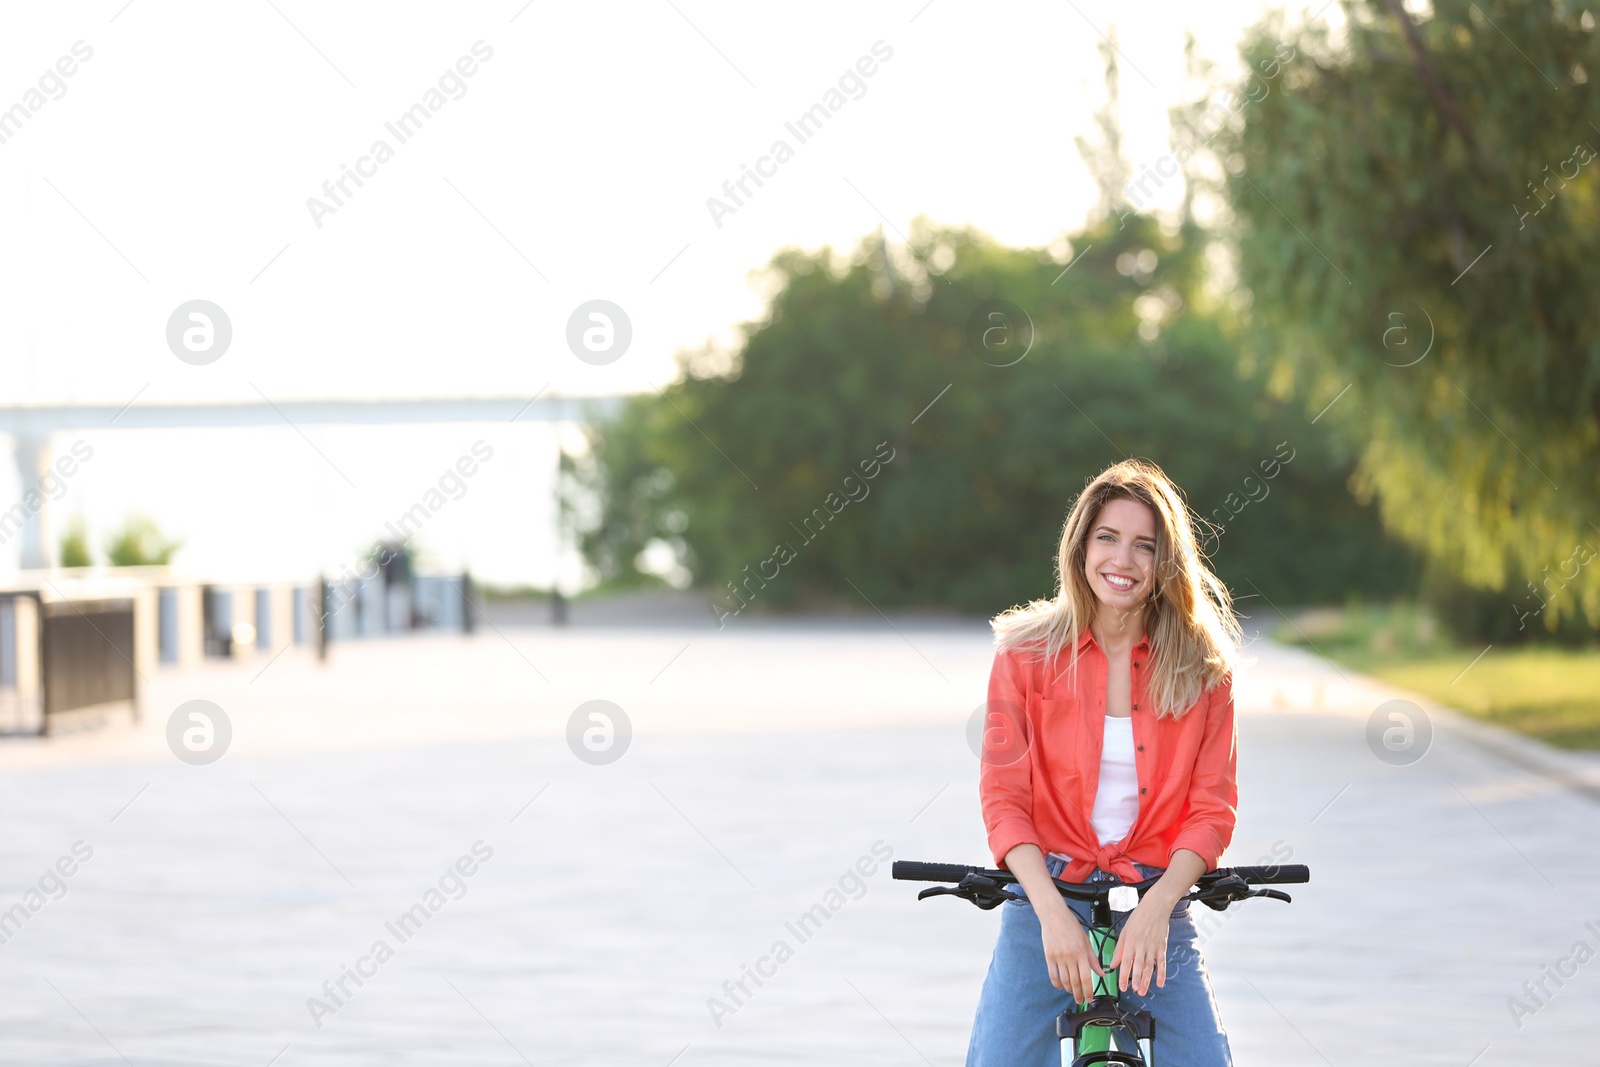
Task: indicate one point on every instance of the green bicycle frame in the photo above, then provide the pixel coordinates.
(1105, 1031)
(1096, 1038)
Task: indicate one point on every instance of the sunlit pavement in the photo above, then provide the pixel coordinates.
(765, 764)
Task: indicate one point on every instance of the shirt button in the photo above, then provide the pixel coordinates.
(1136, 707)
(1144, 790)
(1135, 664)
(1141, 748)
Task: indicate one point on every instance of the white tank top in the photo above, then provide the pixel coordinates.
(1116, 801)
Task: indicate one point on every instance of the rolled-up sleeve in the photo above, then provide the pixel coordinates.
(1212, 808)
(1005, 776)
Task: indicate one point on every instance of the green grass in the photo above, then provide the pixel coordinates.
(1549, 693)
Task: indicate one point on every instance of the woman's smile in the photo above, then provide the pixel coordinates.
(1120, 552)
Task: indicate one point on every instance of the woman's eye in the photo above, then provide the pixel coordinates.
(1106, 537)
(1148, 547)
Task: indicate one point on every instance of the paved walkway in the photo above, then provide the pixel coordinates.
(608, 902)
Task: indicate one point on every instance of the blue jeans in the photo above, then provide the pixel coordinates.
(1016, 1020)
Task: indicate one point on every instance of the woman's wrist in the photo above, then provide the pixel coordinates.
(1051, 909)
(1164, 894)
(1182, 872)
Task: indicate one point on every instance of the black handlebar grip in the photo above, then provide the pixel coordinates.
(913, 871)
(1288, 872)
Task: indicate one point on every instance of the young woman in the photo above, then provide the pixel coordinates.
(1110, 751)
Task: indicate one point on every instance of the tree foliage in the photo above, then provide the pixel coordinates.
(140, 543)
(1416, 211)
(75, 544)
(997, 415)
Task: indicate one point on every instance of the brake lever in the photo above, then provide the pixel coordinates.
(1225, 891)
(984, 892)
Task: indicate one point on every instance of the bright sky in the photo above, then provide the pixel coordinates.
(573, 163)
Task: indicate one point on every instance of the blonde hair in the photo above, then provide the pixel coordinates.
(1194, 637)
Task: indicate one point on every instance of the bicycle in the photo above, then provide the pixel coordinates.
(1088, 1031)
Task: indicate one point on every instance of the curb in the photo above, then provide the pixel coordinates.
(1579, 772)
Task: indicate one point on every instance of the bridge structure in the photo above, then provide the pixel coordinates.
(33, 427)
(78, 646)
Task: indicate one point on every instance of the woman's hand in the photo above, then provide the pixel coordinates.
(1142, 945)
(1070, 960)
(1068, 956)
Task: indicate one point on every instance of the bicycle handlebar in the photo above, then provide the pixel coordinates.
(1282, 874)
(916, 871)
(984, 886)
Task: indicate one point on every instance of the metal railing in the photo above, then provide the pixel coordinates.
(87, 654)
(72, 644)
(67, 660)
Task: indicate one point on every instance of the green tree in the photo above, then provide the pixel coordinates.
(140, 543)
(1416, 211)
(75, 545)
(1002, 382)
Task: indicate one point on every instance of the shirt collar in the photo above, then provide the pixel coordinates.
(1087, 637)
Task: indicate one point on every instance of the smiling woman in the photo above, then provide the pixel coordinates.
(1126, 765)
(1132, 523)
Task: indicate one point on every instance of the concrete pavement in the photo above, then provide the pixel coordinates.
(613, 906)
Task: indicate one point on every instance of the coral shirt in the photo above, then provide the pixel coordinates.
(1044, 729)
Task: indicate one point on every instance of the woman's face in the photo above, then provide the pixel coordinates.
(1120, 557)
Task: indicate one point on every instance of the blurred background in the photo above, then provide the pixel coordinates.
(416, 411)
